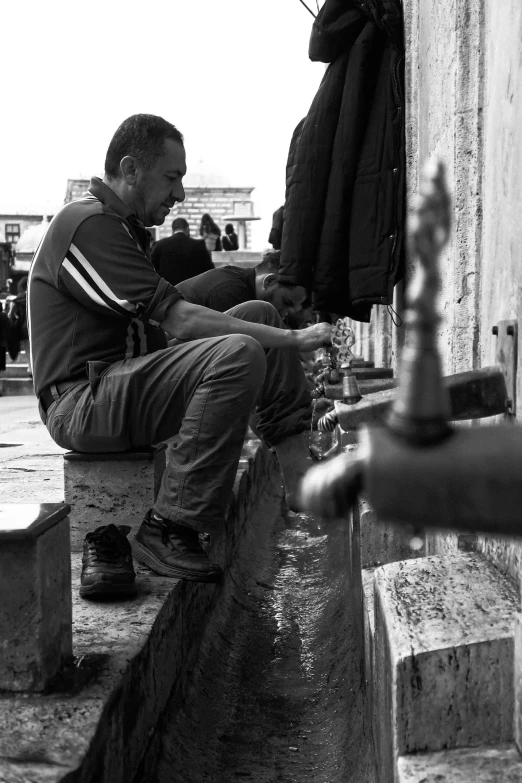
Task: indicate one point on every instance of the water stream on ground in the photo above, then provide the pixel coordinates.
(277, 692)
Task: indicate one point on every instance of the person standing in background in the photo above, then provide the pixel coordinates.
(179, 257)
(210, 233)
(17, 315)
(230, 241)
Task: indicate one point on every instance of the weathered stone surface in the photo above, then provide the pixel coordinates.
(96, 723)
(104, 488)
(505, 552)
(35, 589)
(369, 639)
(444, 630)
(518, 680)
(115, 644)
(491, 764)
(383, 542)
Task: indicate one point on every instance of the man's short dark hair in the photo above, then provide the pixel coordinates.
(179, 224)
(270, 262)
(142, 136)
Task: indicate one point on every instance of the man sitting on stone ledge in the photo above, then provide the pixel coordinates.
(107, 382)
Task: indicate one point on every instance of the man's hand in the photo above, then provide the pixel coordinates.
(313, 337)
(187, 321)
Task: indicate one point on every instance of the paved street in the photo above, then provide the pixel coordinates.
(31, 466)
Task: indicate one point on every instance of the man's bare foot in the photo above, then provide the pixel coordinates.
(294, 461)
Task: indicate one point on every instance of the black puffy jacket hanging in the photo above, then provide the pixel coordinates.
(344, 209)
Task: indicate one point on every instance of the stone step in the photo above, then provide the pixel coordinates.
(115, 488)
(13, 387)
(16, 370)
(443, 651)
(486, 764)
(35, 585)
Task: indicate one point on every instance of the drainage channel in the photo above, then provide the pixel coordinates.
(277, 691)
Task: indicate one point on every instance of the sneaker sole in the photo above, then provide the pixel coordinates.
(146, 557)
(106, 588)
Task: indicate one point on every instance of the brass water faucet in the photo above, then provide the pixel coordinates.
(415, 467)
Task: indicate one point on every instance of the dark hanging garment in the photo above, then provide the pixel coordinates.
(344, 211)
(276, 232)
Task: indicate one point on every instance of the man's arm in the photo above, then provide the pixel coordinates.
(188, 321)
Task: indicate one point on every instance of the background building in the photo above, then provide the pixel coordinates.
(205, 191)
(13, 224)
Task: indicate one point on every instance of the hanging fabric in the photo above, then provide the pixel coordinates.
(344, 209)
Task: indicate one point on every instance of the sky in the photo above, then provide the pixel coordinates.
(233, 76)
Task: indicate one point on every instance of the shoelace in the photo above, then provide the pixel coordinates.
(181, 543)
(105, 547)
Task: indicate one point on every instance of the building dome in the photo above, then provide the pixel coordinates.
(31, 238)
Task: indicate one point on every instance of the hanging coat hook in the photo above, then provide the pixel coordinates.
(307, 8)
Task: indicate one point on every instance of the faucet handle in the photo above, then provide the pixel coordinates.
(421, 409)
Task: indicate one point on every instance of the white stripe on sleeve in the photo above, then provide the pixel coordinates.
(97, 279)
(66, 264)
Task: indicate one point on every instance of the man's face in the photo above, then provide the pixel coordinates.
(287, 300)
(159, 188)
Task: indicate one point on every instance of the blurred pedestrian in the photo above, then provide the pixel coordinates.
(18, 327)
(230, 241)
(4, 326)
(210, 233)
(179, 256)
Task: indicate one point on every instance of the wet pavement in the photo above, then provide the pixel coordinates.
(278, 692)
(31, 464)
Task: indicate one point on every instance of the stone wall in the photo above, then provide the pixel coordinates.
(218, 202)
(464, 104)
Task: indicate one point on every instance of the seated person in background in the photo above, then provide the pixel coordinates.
(223, 288)
(210, 232)
(230, 241)
(177, 257)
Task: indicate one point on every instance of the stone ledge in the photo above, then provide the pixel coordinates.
(490, 764)
(369, 622)
(381, 541)
(95, 724)
(444, 638)
(369, 642)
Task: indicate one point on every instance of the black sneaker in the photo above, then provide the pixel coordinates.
(173, 550)
(107, 562)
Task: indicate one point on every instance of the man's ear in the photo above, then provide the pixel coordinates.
(128, 169)
(269, 280)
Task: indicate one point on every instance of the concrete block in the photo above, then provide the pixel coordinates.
(490, 764)
(444, 640)
(369, 642)
(505, 552)
(518, 681)
(35, 585)
(369, 622)
(105, 488)
(383, 542)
